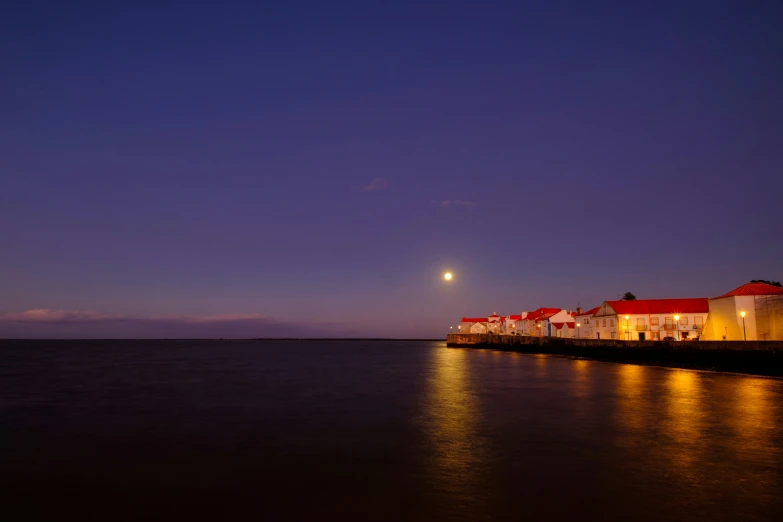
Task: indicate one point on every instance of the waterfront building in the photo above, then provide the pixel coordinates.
(585, 322)
(651, 319)
(566, 329)
(472, 325)
(513, 324)
(495, 323)
(558, 324)
(753, 311)
(481, 325)
(536, 322)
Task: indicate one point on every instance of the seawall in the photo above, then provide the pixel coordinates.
(757, 357)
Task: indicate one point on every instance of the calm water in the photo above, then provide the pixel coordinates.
(378, 431)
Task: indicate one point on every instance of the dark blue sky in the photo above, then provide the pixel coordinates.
(172, 161)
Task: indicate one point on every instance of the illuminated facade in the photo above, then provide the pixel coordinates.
(651, 319)
(752, 312)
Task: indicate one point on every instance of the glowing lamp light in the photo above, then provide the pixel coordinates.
(742, 314)
(447, 276)
(578, 325)
(676, 317)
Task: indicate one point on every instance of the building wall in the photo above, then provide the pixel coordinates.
(511, 327)
(586, 330)
(476, 328)
(564, 332)
(616, 327)
(769, 317)
(725, 322)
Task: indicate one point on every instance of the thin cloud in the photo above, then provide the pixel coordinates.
(45, 323)
(45, 315)
(377, 184)
(448, 203)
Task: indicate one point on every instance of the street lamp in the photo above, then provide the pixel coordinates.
(538, 325)
(677, 321)
(744, 335)
(627, 328)
(577, 329)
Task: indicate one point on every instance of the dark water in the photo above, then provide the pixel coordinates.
(378, 431)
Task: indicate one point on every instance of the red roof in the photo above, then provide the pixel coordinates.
(541, 313)
(591, 312)
(661, 306)
(515, 317)
(482, 319)
(571, 325)
(754, 289)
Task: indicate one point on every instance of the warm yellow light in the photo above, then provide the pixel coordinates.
(578, 325)
(627, 317)
(676, 317)
(447, 276)
(742, 314)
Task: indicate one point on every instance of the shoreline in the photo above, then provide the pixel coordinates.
(761, 358)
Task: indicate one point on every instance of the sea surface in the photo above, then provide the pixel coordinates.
(370, 430)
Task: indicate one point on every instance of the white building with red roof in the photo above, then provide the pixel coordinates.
(540, 322)
(513, 324)
(651, 319)
(753, 311)
(585, 323)
(491, 324)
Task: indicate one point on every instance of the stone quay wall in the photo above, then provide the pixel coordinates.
(758, 357)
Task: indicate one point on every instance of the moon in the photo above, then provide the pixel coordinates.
(447, 276)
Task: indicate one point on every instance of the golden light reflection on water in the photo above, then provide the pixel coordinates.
(682, 421)
(541, 361)
(632, 403)
(752, 417)
(581, 382)
(451, 424)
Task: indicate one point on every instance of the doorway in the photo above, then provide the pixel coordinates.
(641, 336)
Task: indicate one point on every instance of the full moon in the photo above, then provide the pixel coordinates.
(447, 276)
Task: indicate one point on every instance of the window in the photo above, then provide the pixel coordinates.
(587, 321)
(612, 335)
(656, 336)
(640, 323)
(611, 322)
(698, 321)
(683, 321)
(604, 322)
(669, 323)
(654, 321)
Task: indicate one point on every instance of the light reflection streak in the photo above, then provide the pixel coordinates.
(457, 453)
(683, 417)
(633, 408)
(582, 383)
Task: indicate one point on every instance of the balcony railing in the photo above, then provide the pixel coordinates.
(641, 327)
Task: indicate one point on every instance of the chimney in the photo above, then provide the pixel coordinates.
(578, 310)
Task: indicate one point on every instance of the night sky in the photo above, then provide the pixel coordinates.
(247, 169)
